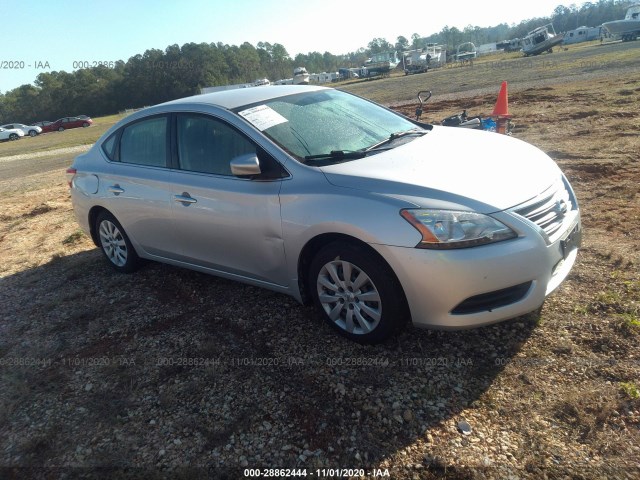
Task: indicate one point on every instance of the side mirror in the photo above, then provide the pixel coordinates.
(246, 165)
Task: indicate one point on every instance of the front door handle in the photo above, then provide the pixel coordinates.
(185, 199)
(115, 189)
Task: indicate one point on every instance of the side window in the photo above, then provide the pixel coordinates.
(145, 143)
(207, 145)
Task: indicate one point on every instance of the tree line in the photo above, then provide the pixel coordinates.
(161, 75)
(153, 77)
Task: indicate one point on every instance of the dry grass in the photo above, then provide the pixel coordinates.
(563, 67)
(36, 223)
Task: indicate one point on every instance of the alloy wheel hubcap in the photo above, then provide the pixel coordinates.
(349, 297)
(113, 243)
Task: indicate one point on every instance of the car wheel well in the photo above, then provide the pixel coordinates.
(93, 216)
(314, 245)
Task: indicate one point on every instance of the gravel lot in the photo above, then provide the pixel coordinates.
(168, 373)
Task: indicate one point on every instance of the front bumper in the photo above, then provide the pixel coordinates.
(471, 287)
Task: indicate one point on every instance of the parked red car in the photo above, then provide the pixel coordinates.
(68, 122)
(45, 125)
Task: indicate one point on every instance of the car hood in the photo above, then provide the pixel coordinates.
(453, 167)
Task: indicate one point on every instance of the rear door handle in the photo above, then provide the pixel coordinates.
(185, 199)
(115, 189)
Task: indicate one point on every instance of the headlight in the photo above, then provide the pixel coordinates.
(456, 229)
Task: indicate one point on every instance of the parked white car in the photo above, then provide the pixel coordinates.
(31, 130)
(10, 133)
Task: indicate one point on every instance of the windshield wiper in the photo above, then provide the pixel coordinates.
(395, 136)
(338, 155)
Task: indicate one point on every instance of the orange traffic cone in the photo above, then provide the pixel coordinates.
(501, 111)
(502, 105)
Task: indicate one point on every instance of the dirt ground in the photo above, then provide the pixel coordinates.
(168, 373)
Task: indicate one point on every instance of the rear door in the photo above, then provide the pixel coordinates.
(223, 222)
(137, 188)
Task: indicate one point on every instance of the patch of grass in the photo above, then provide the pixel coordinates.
(39, 210)
(621, 299)
(585, 412)
(630, 322)
(631, 390)
(632, 288)
(74, 238)
(609, 298)
(582, 310)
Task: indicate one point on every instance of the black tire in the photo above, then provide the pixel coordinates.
(115, 244)
(85, 124)
(32, 133)
(13, 136)
(371, 320)
(61, 129)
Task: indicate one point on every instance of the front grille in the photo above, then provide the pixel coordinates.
(549, 211)
(486, 302)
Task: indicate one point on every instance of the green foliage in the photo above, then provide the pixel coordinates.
(630, 321)
(379, 45)
(631, 390)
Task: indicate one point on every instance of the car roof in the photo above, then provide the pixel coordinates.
(245, 96)
(227, 99)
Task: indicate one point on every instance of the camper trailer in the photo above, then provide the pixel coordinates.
(582, 34)
(324, 77)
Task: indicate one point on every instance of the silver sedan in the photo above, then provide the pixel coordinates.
(335, 200)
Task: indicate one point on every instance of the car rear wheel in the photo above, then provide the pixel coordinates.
(115, 244)
(32, 133)
(61, 129)
(357, 293)
(13, 136)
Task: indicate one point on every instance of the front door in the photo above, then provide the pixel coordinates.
(223, 222)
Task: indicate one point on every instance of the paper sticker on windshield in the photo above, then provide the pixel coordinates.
(262, 117)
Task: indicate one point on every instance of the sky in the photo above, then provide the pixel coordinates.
(46, 35)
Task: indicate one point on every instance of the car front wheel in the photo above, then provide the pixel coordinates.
(32, 133)
(85, 124)
(115, 244)
(357, 293)
(61, 129)
(13, 136)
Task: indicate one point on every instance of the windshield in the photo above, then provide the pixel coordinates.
(319, 122)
